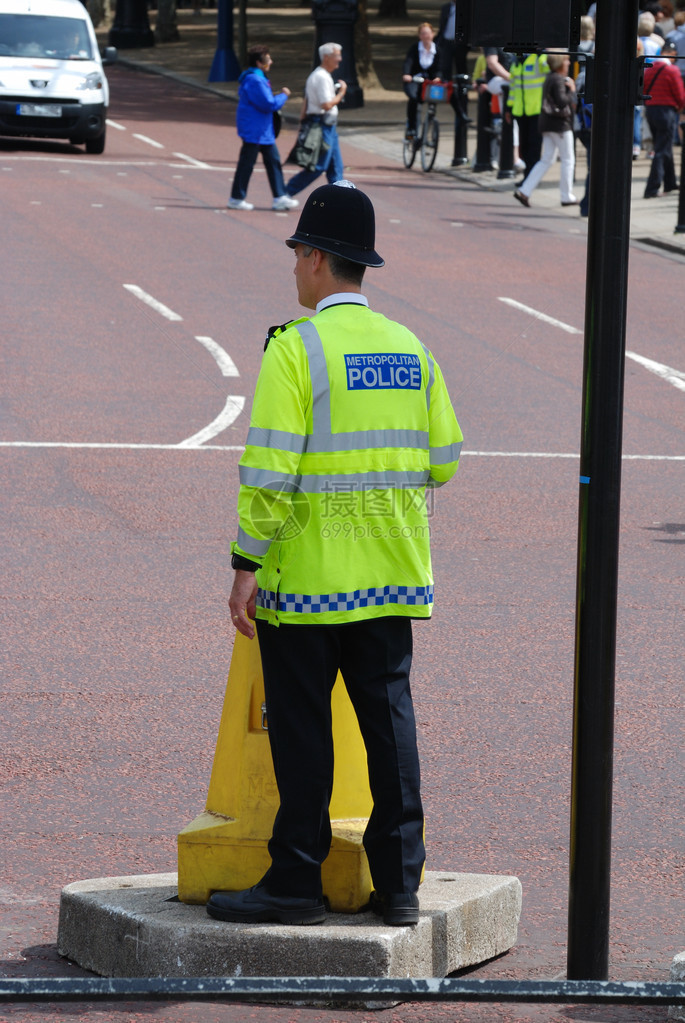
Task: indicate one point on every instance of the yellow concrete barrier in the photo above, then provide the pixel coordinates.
(225, 848)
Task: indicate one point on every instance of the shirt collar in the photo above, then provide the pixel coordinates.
(340, 297)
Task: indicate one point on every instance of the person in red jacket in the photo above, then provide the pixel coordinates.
(664, 86)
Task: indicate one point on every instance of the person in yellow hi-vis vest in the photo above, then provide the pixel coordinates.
(528, 75)
(351, 428)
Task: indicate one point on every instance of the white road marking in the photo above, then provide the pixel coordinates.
(115, 124)
(191, 160)
(231, 410)
(223, 359)
(185, 446)
(150, 142)
(673, 376)
(540, 316)
(152, 302)
(94, 445)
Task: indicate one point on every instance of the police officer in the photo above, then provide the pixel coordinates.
(351, 423)
(528, 74)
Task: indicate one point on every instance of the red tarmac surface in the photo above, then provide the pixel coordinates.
(115, 639)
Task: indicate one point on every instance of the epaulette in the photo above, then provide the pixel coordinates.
(279, 329)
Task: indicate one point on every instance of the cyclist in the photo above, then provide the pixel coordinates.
(422, 63)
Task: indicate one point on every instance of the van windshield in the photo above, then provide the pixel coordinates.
(34, 35)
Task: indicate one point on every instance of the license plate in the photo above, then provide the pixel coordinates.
(39, 110)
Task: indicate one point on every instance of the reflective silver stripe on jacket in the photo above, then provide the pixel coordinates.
(384, 479)
(251, 545)
(351, 440)
(446, 454)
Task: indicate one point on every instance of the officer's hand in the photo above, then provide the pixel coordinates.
(242, 602)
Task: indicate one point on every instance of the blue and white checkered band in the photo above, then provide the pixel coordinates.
(382, 371)
(377, 596)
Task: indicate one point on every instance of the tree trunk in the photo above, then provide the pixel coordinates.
(166, 29)
(392, 9)
(366, 73)
(242, 32)
(96, 9)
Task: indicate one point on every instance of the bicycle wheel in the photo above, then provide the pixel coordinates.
(429, 144)
(409, 151)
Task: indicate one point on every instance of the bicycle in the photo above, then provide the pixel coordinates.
(428, 136)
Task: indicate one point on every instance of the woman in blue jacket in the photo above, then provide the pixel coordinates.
(254, 121)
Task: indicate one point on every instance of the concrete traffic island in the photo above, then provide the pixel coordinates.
(136, 927)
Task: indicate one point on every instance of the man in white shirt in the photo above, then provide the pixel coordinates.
(320, 105)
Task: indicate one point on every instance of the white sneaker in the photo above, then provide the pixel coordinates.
(240, 204)
(284, 202)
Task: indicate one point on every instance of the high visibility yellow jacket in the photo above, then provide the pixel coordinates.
(525, 85)
(351, 425)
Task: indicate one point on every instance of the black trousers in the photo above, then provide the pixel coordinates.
(300, 664)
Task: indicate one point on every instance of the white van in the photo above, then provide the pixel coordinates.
(52, 85)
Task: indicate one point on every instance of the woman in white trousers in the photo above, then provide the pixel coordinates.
(556, 128)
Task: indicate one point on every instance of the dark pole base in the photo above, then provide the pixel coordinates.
(354, 98)
(130, 39)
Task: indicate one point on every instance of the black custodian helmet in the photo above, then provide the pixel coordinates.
(339, 219)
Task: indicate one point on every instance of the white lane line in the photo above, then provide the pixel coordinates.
(540, 316)
(231, 410)
(95, 445)
(152, 302)
(191, 160)
(150, 142)
(186, 446)
(115, 124)
(26, 158)
(673, 376)
(568, 454)
(223, 359)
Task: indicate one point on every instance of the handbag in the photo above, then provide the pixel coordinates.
(277, 121)
(552, 110)
(308, 147)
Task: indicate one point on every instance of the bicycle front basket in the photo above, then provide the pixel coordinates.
(436, 92)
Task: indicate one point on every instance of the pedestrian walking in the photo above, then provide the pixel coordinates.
(666, 98)
(255, 123)
(351, 425)
(556, 127)
(322, 97)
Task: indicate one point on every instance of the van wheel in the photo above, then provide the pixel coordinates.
(97, 145)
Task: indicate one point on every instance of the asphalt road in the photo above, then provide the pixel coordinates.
(135, 307)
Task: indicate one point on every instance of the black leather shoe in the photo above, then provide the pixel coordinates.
(256, 905)
(399, 909)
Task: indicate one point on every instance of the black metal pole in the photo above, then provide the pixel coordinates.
(484, 133)
(506, 141)
(461, 120)
(680, 226)
(615, 91)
